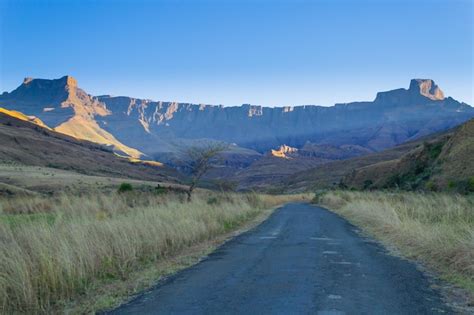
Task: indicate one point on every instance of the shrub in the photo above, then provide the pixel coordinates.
(431, 186)
(368, 183)
(124, 187)
(451, 184)
(318, 196)
(212, 201)
(471, 184)
(160, 190)
(434, 149)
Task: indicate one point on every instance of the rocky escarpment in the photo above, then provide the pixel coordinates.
(392, 118)
(159, 128)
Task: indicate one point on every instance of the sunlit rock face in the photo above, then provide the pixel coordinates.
(284, 152)
(426, 88)
(157, 127)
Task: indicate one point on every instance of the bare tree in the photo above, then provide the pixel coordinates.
(199, 160)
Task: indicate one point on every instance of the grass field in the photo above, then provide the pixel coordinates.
(55, 250)
(46, 180)
(435, 228)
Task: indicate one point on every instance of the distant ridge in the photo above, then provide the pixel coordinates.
(138, 127)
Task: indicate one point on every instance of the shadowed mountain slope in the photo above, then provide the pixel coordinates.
(440, 161)
(443, 162)
(63, 106)
(27, 143)
(330, 174)
(276, 165)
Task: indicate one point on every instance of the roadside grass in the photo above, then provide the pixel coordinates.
(435, 228)
(53, 251)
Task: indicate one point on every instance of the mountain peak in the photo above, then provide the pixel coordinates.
(66, 80)
(27, 80)
(69, 81)
(427, 88)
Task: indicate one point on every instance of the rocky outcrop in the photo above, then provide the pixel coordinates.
(284, 152)
(426, 88)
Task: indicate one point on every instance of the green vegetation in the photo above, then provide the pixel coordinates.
(435, 228)
(434, 149)
(124, 187)
(159, 190)
(59, 249)
(463, 186)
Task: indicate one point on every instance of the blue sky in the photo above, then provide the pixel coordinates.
(232, 52)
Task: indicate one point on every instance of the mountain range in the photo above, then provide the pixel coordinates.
(304, 136)
(392, 118)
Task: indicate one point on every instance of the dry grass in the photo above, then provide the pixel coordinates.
(54, 250)
(437, 229)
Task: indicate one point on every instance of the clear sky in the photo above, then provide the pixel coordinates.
(232, 52)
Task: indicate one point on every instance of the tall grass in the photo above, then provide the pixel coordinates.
(52, 250)
(437, 229)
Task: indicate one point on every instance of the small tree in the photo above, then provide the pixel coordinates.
(199, 161)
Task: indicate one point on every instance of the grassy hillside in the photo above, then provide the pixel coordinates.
(269, 171)
(55, 251)
(330, 174)
(26, 143)
(436, 228)
(32, 180)
(443, 163)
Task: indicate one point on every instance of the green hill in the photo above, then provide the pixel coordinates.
(445, 162)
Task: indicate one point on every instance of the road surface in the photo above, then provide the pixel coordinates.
(302, 260)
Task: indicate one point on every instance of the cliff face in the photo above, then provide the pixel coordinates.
(392, 118)
(157, 128)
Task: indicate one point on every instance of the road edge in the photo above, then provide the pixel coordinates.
(453, 296)
(108, 296)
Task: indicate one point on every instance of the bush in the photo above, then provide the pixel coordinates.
(464, 186)
(434, 149)
(124, 187)
(471, 184)
(451, 184)
(431, 186)
(318, 196)
(368, 183)
(160, 190)
(212, 201)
